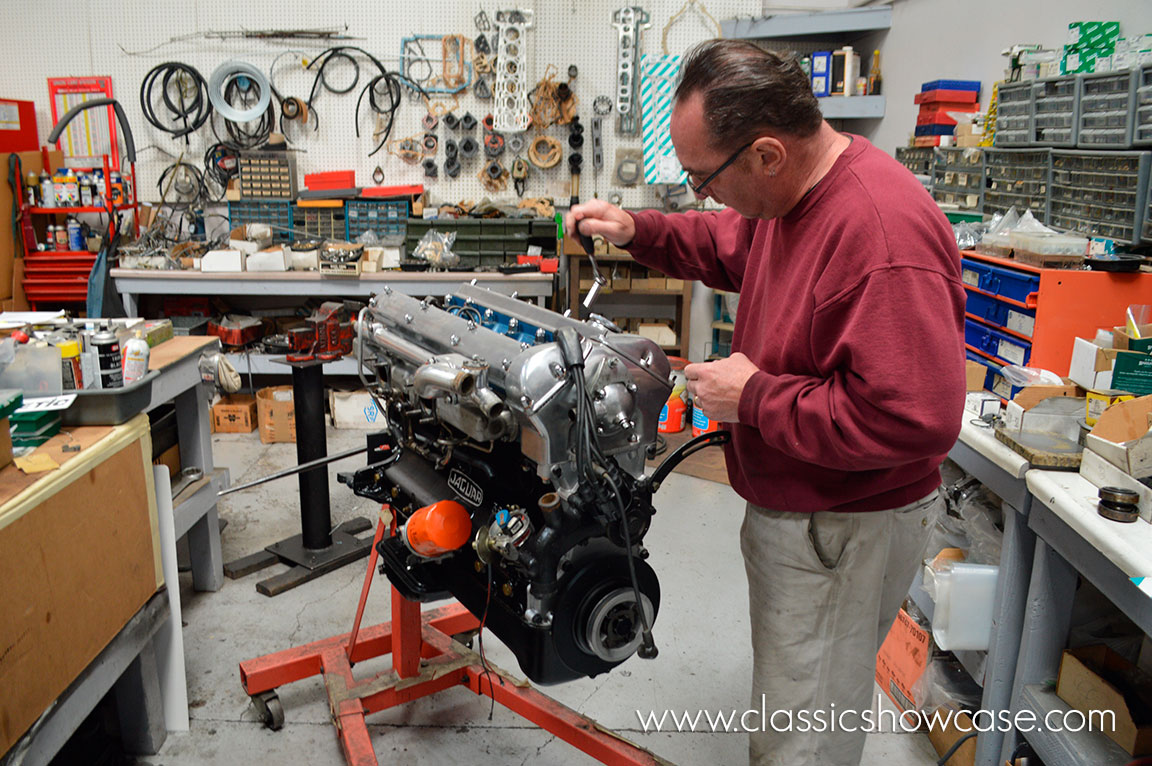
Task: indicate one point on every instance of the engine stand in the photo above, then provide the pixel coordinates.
(425, 660)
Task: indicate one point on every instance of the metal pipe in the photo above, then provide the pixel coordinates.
(294, 470)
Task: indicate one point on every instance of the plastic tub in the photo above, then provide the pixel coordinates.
(110, 406)
(965, 595)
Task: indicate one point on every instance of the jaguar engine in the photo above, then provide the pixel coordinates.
(516, 441)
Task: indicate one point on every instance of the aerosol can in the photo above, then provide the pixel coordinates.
(136, 353)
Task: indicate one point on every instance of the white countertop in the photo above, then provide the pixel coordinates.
(1074, 499)
(984, 441)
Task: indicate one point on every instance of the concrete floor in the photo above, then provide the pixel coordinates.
(702, 634)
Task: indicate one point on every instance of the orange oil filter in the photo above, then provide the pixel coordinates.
(437, 529)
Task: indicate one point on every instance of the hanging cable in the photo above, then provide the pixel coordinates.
(184, 95)
(220, 165)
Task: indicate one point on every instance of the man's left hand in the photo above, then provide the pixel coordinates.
(716, 386)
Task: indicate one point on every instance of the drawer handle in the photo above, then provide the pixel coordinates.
(1031, 300)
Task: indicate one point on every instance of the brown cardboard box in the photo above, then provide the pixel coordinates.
(974, 375)
(944, 737)
(1094, 678)
(235, 414)
(277, 414)
(79, 556)
(620, 276)
(1125, 342)
(672, 283)
(11, 248)
(1030, 396)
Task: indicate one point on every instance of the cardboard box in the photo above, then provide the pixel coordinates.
(660, 334)
(268, 259)
(250, 238)
(1133, 372)
(620, 276)
(974, 374)
(943, 738)
(79, 556)
(222, 260)
(354, 409)
(1122, 437)
(1095, 678)
(234, 414)
(1030, 396)
(1096, 401)
(671, 283)
(1091, 365)
(277, 414)
(1101, 473)
(901, 660)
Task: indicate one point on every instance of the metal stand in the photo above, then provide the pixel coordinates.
(425, 660)
(318, 549)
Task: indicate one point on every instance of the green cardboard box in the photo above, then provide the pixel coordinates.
(1093, 34)
(1133, 373)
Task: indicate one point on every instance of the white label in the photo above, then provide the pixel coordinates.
(1021, 323)
(282, 396)
(819, 65)
(1001, 387)
(47, 403)
(9, 116)
(970, 277)
(1010, 351)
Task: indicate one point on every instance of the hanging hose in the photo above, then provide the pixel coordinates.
(183, 94)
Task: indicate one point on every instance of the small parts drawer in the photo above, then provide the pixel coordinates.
(999, 313)
(1007, 349)
(1015, 285)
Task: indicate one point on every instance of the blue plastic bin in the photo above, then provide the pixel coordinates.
(1006, 348)
(1000, 313)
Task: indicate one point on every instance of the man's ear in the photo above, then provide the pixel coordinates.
(768, 155)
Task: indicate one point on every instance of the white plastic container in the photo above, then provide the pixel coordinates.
(136, 355)
(965, 595)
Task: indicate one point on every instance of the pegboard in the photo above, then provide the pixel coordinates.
(125, 40)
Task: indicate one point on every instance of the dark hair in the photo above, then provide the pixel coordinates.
(748, 90)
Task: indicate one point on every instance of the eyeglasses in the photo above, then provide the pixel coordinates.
(699, 187)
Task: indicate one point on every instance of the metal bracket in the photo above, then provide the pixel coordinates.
(597, 143)
(512, 110)
(629, 22)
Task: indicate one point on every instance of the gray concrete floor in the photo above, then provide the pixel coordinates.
(702, 634)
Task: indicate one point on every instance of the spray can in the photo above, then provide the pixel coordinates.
(47, 190)
(32, 187)
(116, 189)
(75, 235)
(72, 374)
(701, 423)
(108, 362)
(61, 237)
(136, 353)
(86, 189)
(89, 367)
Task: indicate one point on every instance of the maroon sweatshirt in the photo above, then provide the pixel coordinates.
(851, 306)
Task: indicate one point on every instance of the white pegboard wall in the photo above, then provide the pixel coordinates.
(565, 32)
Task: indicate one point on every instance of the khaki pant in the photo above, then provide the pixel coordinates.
(824, 588)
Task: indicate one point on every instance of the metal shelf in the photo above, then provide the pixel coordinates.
(263, 364)
(852, 107)
(1058, 748)
(809, 24)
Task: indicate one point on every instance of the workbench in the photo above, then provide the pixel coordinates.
(81, 562)
(196, 516)
(132, 283)
(1052, 536)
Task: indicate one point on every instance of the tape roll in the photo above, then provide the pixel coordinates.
(223, 76)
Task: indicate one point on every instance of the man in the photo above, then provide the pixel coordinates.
(845, 387)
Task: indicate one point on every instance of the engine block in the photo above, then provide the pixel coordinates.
(526, 433)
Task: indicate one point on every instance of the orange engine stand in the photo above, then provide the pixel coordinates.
(424, 662)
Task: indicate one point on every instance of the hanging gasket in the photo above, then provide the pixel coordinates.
(481, 89)
(493, 145)
(482, 45)
(467, 122)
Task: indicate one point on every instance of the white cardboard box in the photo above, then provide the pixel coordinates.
(269, 259)
(1091, 365)
(1123, 436)
(1101, 473)
(222, 260)
(355, 409)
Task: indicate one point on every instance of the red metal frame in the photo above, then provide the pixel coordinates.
(424, 661)
(95, 86)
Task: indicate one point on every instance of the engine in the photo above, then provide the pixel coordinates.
(516, 441)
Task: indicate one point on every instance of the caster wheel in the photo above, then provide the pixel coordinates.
(466, 637)
(271, 712)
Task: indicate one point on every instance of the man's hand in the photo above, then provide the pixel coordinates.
(716, 386)
(598, 217)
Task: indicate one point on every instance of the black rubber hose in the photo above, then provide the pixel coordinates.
(129, 143)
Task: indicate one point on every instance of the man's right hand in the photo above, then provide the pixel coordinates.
(598, 217)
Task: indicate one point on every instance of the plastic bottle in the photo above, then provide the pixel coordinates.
(874, 80)
(47, 190)
(136, 353)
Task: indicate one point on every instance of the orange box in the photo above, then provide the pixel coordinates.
(235, 414)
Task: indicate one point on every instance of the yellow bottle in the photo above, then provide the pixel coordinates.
(874, 74)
